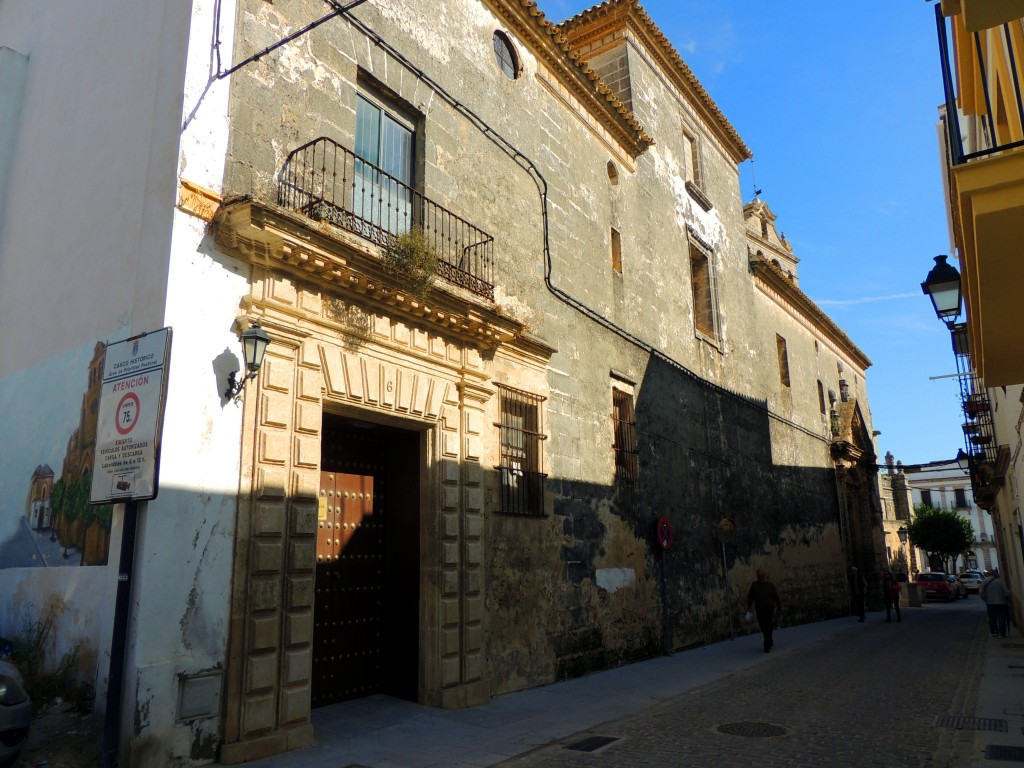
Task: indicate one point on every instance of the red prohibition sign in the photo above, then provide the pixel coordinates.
(127, 413)
(664, 533)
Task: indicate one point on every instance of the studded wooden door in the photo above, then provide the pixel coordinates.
(348, 613)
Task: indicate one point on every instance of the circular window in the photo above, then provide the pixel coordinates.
(505, 53)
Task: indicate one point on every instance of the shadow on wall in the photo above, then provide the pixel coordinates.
(704, 454)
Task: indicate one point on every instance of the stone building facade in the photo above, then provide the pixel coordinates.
(518, 314)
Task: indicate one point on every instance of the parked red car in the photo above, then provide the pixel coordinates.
(936, 586)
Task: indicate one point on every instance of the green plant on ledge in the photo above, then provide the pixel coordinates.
(411, 258)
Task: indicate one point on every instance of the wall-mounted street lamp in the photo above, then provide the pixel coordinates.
(903, 534)
(943, 287)
(254, 345)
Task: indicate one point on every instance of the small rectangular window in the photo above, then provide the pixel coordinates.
(821, 397)
(926, 498)
(960, 498)
(522, 465)
(627, 465)
(780, 345)
(695, 169)
(702, 283)
(616, 251)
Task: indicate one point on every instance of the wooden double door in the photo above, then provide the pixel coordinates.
(366, 606)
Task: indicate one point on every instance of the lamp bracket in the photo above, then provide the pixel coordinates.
(235, 386)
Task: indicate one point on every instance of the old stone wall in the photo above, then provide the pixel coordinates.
(579, 588)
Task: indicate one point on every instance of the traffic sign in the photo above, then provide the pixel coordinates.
(130, 420)
(664, 532)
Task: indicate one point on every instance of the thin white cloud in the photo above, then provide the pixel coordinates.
(863, 300)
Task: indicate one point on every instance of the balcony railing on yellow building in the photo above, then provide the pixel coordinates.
(327, 182)
(982, 78)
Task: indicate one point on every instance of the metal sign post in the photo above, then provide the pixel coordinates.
(663, 532)
(126, 469)
(725, 531)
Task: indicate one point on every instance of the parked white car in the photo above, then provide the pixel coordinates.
(972, 580)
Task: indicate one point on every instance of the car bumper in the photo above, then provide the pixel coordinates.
(14, 726)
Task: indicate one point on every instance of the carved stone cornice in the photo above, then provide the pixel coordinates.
(616, 15)
(549, 43)
(347, 266)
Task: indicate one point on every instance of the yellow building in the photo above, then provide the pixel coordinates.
(982, 54)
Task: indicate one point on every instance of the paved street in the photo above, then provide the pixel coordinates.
(928, 692)
(867, 697)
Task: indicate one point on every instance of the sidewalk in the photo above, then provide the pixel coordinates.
(381, 731)
(1001, 699)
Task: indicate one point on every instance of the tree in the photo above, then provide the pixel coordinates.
(943, 534)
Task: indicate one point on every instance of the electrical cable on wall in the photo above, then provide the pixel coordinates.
(540, 182)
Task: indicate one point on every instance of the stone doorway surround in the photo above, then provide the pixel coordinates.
(344, 340)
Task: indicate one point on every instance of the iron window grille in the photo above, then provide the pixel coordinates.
(627, 464)
(522, 457)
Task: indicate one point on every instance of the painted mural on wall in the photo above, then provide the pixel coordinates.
(49, 425)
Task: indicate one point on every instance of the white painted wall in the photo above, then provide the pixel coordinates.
(186, 544)
(92, 249)
(84, 242)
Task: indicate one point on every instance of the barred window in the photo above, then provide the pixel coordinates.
(627, 466)
(522, 457)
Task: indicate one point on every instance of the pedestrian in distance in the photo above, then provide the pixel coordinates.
(891, 596)
(764, 599)
(858, 591)
(997, 597)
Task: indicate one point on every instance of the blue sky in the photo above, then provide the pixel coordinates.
(839, 108)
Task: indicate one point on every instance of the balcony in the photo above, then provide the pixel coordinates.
(983, 78)
(326, 182)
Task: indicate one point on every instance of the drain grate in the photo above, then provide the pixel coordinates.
(754, 730)
(592, 743)
(964, 723)
(1002, 752)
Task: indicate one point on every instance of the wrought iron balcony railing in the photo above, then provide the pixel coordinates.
(989, 140)
(327, 182)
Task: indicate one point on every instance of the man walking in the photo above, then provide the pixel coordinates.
(996, 596)
(764, 599)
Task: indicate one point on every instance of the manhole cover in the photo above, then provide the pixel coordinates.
(592, 743)
(962, 723)
(752, 729)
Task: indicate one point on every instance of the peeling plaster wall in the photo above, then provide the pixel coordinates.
(186, 536)
(579, 588)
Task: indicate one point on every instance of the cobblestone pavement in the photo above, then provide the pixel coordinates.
(869, 697)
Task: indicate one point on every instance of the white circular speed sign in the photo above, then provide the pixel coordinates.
(127, 413)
